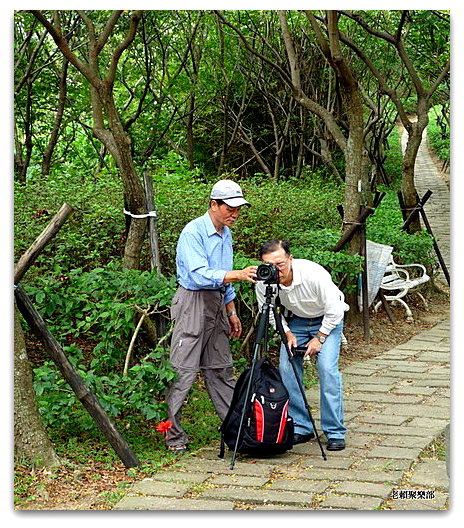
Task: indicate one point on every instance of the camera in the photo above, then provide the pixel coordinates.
(267, 273)
(299, 351)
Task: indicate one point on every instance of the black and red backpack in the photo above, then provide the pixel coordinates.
(258, 414)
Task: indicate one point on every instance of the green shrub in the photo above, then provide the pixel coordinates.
(279, 210)
(438, 136)
(394, 159)
(88, 299)
(97, 308)
(91, 236)
(100, 304)
(139, 393)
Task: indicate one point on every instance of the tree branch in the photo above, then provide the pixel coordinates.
(135, 19)
(252, 50)
(62, 44)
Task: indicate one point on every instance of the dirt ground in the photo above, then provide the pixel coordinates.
(71, 487)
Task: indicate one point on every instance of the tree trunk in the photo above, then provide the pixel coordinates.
(189, 132)
(31, 442)
(24, 151)
(59, 117)
(118, 144)
(356, 182)
(355, 177)
(356, 188)
(408, 188)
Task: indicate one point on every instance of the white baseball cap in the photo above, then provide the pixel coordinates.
(229, 192)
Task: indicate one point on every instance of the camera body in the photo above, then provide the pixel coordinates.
(268, 273)
(299, 351)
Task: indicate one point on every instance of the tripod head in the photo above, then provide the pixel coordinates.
(270, 292)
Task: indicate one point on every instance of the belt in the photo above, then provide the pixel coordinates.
(222, 289)
(312, 319)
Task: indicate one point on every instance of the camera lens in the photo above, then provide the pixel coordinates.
(264, 272)
(267, 273)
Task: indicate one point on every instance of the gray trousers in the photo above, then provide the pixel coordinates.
(199, 343)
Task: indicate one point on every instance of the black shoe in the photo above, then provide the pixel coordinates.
(302, 438)
(335, 444)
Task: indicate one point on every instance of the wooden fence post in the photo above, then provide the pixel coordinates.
(419, 209)
(152, 224)
(360, 225)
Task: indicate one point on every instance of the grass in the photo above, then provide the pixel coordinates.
(437, 449)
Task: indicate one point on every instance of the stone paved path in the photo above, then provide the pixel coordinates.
(395, 405)
(437, 208)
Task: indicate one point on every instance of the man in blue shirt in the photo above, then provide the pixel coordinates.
(203, 308)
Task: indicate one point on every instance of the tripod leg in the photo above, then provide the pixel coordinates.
(281, 332)
(261, 333)
(242, 416)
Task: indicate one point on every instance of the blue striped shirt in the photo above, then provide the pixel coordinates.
(204, 257)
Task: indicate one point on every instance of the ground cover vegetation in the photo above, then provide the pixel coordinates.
(188, 98)
(438, 135)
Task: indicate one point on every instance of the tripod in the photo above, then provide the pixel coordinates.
(261, 345)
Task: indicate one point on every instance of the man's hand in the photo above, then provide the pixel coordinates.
(235, 326)
(313, 347)
(292, 342)
(247, 274)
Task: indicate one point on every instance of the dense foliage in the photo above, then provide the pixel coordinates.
(438, 134)
(187, 84)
